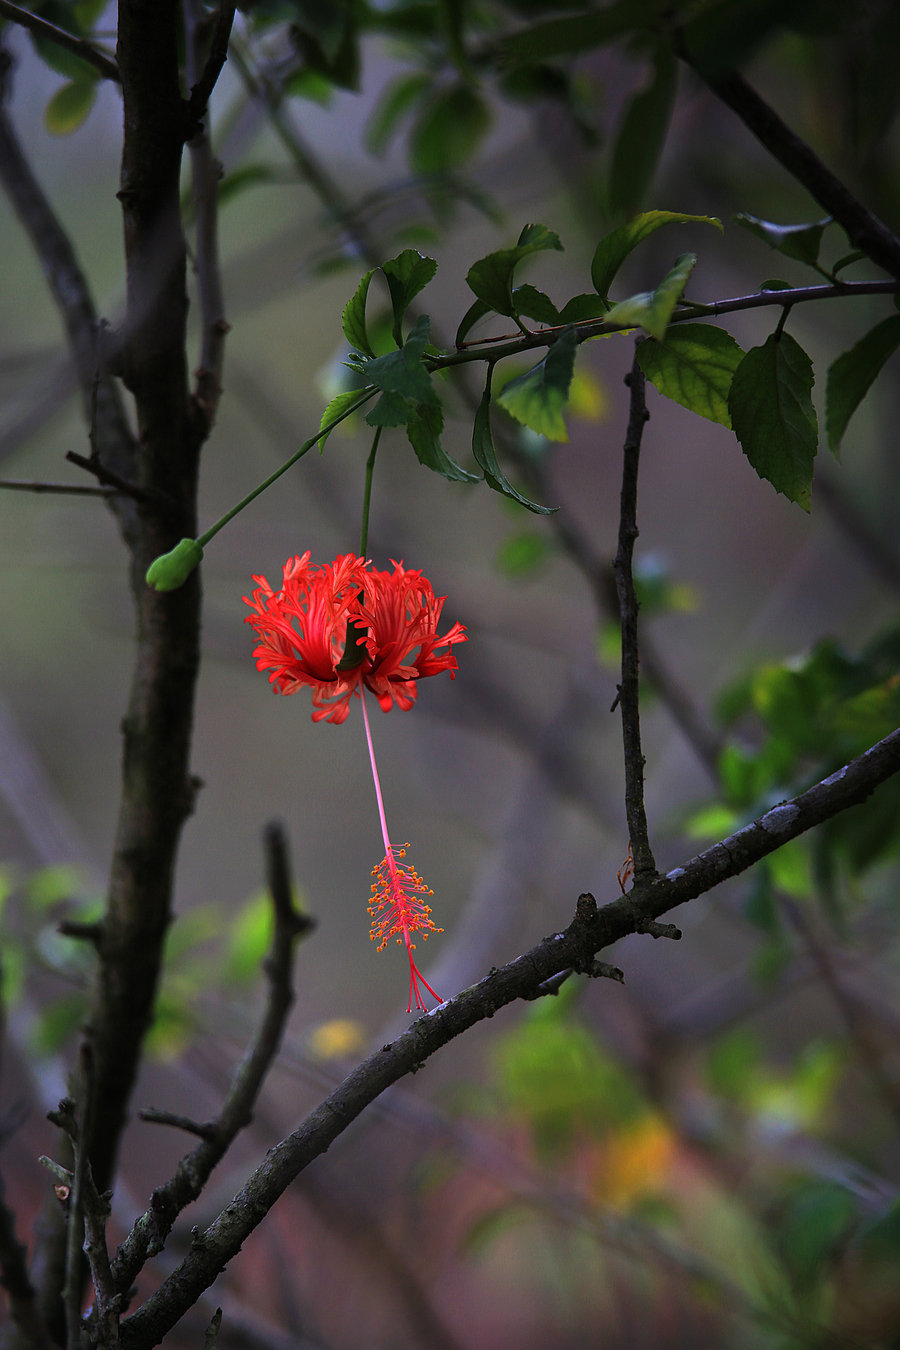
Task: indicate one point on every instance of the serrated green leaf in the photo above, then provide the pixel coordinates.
(334, 409)
(694, 366)
(773, 415)
(581, 308)
(424, 429)
(477, 310)
(397, 98)
(69, 107)
(406, 275)
(641, 135)
(538, 397)
(449, 130)
(401, 376)
(652, 310)
(486, 457)
(491, 277)
(353, 319)
(852, 375)
(534, 304)
(614, 248)
(801, 242)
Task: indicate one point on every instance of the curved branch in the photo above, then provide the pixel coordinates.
(590, 931)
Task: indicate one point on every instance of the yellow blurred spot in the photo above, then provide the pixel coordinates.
(635, 1161)
(337, 1039)
(588, 398)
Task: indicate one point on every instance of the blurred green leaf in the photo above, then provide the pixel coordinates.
(578, 33)
(538, 397)
(69, 106)
(733, 1063)
(642, 133)
(614, 248)
(816, 1220)
(57, 1023)
(522, 554)
(398, 97)
(249, 939)
(694, 366)
(449, 130)
(851, 376)
(773, 415)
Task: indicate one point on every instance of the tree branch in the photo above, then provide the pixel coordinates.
(77, 46)
(576, 947)
(149, 1234)
(629, 690)
(864, 229)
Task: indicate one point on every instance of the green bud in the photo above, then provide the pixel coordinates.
(171, 570)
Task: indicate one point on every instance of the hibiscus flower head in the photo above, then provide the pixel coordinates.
(337, 626)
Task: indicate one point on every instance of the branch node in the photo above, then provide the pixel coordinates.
(658, 930)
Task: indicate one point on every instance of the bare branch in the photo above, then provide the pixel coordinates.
(575, 948)
(63, 489)
(629, 693)
(77, 46)
(149, 1233)
(216, 57)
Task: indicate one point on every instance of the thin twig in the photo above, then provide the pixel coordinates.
(77, 46)
(63, 489)
(629, 690)
(149, 1234)
(576, 947)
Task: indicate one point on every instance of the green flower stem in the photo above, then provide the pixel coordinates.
(367, 494)
(213, 530)
(171, 570)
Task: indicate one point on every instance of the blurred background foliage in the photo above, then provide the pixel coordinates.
(707, 1154)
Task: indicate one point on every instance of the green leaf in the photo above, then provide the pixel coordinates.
(773, 416)
(334, 409)
(583, 307)
(578, 33)
(69, 106)
(652, 310)
(477, 310)
(424, 429)
(538, 397)
(491, 277)
(249, 175)
(852, 375)
(534, 304)
(641, 136)
(486, 457)
(397, 98)
(353, 319)
(614, 248)
(406, 275)
(801, 242)
(815, 1222)
(694, 366)
(449, 130)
